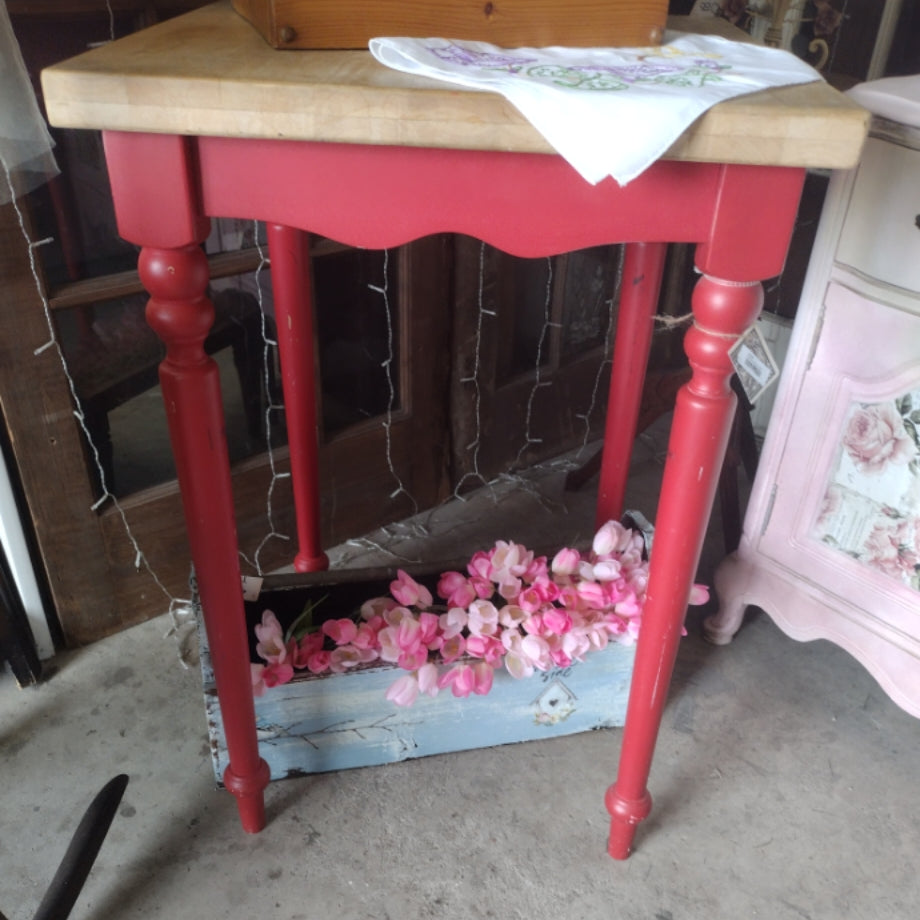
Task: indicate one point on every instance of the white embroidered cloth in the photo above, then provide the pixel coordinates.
(608, 111)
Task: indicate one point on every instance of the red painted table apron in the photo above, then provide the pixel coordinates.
(166, 187)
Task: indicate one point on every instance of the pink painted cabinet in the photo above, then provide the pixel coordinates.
(831, 545)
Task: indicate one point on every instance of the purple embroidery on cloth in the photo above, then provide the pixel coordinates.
(673, 70)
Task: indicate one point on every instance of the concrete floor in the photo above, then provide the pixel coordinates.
(785, 786)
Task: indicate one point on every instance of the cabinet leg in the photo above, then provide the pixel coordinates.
(731, 581)
(180, 313)
(290, 266)
(699, 434)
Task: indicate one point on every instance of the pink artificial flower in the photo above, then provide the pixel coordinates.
(629, 607)
(377, 607)
(464, 679)
(348, 656)
(530, 600)
(487, 647)
(556, 620)
(405, 642)
(482, 618)
(511, 616)
(483, 675)
(480, 566)
(536, 650)
(366, 636)
(456, 589)
(576, 644)
(429, 630)
(517, 663)
(308, 645)
(533, 625)
(611, 538)
(510, 588)
(404, 690)
(560, 657)
(389, 645)
(484, 588)
(428, 679)
(547, 588)
(566, 562)
(452, 648)
(510, 561)
(273, 675)
(340, 631)
(615, 625)
(607, 570)
(592, 593)
(318, 662)
(699, 594)
(453, 622)
(538, 569)
(409, 592)
(459, 678)
(395, 615)
(271, 645)
(570, 598)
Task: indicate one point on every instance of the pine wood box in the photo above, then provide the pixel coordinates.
(341, 721)
(321, 24)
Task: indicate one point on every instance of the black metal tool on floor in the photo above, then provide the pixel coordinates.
(84, 847)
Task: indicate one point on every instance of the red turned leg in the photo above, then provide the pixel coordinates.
(699, 434)
(290, 262)
(182, 316)
(643, 264)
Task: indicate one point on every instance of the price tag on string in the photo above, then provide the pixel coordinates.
(754, 364)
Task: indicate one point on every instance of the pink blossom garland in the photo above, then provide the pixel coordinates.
(509, 609)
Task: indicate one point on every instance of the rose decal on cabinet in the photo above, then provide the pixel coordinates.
(871, 507)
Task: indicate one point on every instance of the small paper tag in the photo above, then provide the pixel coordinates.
(252, 586)
(755, 366)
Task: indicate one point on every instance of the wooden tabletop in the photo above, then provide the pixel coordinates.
(209, 72)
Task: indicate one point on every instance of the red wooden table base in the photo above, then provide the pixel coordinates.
(166, 187)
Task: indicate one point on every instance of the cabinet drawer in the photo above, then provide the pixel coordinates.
(881, 233)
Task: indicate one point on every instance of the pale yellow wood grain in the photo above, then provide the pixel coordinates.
(209, 72)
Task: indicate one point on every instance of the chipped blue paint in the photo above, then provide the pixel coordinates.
(340, 721)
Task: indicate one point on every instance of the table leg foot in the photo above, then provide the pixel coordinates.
(303, 562)
(625, 815)
(250, 795)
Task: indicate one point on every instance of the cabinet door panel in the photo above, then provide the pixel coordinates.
(846, 508)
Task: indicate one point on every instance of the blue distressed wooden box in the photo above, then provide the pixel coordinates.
(338, 721)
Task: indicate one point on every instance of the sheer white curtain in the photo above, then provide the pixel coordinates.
(26, 160)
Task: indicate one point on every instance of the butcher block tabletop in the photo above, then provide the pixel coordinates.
(209, 72)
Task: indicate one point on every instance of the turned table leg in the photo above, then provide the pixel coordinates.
(180, 313)
(643, 264)
(290, 266)
(702, 422)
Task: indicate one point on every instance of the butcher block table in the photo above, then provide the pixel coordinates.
(201, 118)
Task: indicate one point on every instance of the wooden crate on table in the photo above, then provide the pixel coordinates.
(303, 24)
